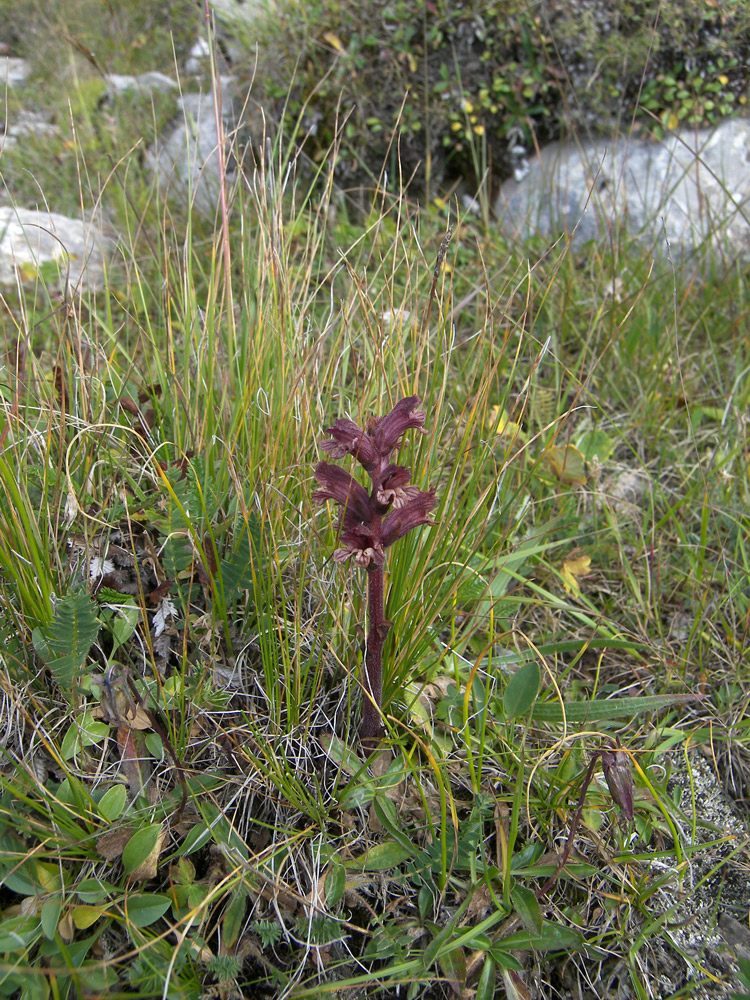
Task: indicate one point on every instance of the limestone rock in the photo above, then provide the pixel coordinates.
(145, 83)
(691, 189)
(186, 160)
(25, 124)
(63, 253)
(13, 72)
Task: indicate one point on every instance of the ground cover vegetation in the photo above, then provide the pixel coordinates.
(186, 806)
(468, 84)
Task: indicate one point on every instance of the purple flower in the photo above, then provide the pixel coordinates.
(386, 431)
(394, 487)
(414, 512)
(350, 439)
(619, 778)
(370, 522)
(363, 545)
(338, 485)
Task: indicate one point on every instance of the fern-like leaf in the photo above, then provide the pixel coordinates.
(65, 643)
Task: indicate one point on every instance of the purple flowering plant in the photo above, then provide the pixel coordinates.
(372, 521)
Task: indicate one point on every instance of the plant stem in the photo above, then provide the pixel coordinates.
(371, 728)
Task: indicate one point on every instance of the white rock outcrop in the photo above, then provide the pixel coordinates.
(64, 254)
(186, 160)
(692, 189)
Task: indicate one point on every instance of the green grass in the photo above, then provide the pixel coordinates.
(183, 802)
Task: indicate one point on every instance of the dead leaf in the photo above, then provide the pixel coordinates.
(65, 928)
(111, 844)
(572, 569)
(334, 41)
(568, 464)
(504, 426)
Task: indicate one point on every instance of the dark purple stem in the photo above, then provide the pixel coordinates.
(371, 729)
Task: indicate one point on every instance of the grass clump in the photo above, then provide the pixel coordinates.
(184, 804)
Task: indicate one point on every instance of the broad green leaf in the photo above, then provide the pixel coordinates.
(197, 836)
(426, 901)
(335, 883)
(50, 917)
(85, 731)
(486, 984)
(505, 959)
(385, 810)
(595, 445)
(155, 745)
(112, 803)
(233, 919)
(554, 937)
(567, 463)
(140, 846)
(144, 909)
(610, 708)
(17, 933)
(522, 690)
(94, 890)
(343, 755)
(32, 985)
(48, 876)
(453, 966)
(126, 618)
(389, 854)
(527, 907)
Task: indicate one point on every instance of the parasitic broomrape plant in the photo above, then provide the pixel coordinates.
(371, 522)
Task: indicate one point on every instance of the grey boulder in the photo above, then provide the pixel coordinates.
(63, 254)
(689, 191)
(186, 160)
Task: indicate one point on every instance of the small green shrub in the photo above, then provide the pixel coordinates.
(450, 91)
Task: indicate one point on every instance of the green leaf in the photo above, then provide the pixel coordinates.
(506, 960)
(486, 984)
(567, 463)
(17, 933)
(139, 847)
(554, 937)
(335, 883)
(610, 708)
(83, 732)
(85, 915)
(94, 890)
(385, 810)
(527, 907)
(236, 567)
(112, 803)
(65, 643)
(233, 919)
(453, 966)
(522, 690)
(50, 917)
(389, 854)
(596, 445)
(144, 909)
(197, 836)
(155, 745)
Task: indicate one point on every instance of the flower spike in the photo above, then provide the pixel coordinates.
(370, 522)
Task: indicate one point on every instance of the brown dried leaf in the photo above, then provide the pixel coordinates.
(66, 928)
(111, 844)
